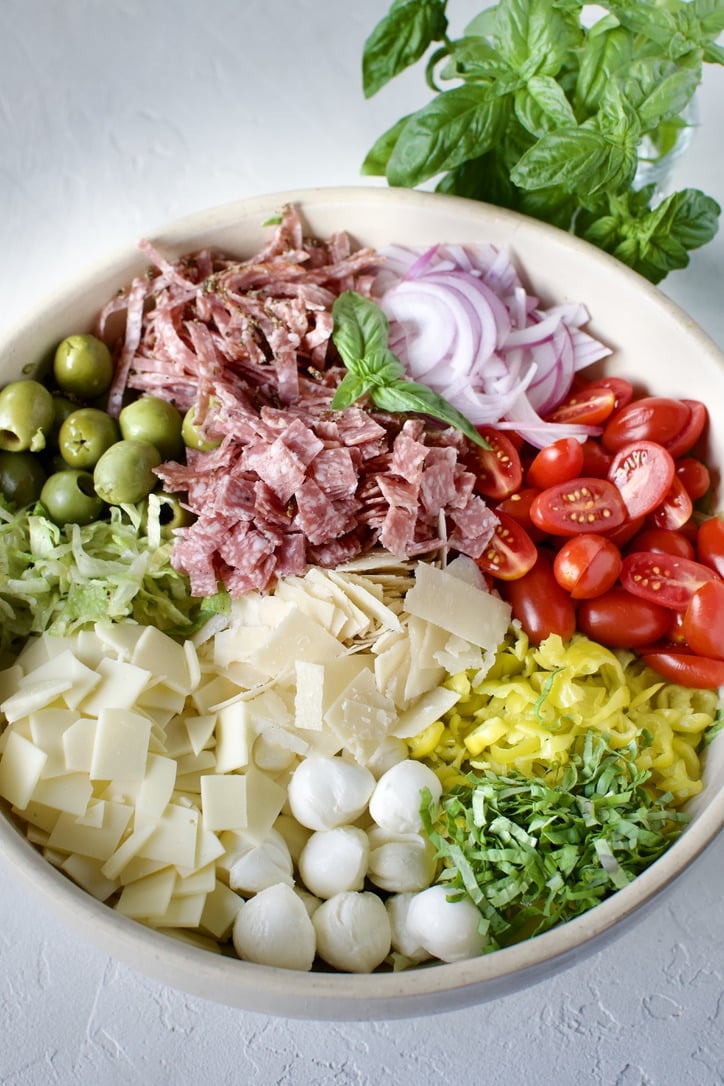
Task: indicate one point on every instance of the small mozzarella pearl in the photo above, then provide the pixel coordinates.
(260, 866)
(274, 928)
(395, 802)
(400, 862)
(446, 929)
(398, 906)
(334, 860)
(353, 932)
(329, 792)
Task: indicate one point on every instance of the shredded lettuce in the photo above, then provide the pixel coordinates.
(531, 852)
(63, 579)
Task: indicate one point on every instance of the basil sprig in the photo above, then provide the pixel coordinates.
(360, 333)
(548, 116)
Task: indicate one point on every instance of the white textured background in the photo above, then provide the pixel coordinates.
(116, 116)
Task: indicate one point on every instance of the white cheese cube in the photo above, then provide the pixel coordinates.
(149, 896)
(85, 836)
(120, 749)
(224, 801)
(20, 768)
(119, 688)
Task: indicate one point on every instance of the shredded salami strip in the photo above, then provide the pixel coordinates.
(291, 482)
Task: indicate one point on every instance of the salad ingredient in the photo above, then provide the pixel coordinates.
(498, 470)
(462, 321)
(710, 544)
(589, 405)
(124, 474)
(395, 802)
(405, 947)
(69, 497)
(353, 931)
(274, 928)
(152, 419)
(587, 565)
(82, 366)
(325, 793)
(400, 862)
(622, 620)
(85, 435)
(665, 579)
(539, 603)
(657, 419)
(550, 115)
(334, 861)
(510, 552)
(687, 669)
(446, 927)
(254, 865)
(695, 476)
(193, 436)
(579, 505)
(703, 622)
(687, 437)
(643, 472)
(675, 509)
(533, 851)
(21, 478)
(360, 334)
(664, 541)
(558, 462)
(26, 416)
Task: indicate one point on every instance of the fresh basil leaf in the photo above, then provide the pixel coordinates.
(400, 39)
(541, 106)
(375, 164)
(359, 332)
(482, 25)
(647, 18)
(580, 160)
(689, 216)
(713, 53)
(419, 399)
(486, 178)
(607, 51)
(349, 389)
(657, 89)
(458, 124)
(473, 58)
(534, 36)
(710, 14)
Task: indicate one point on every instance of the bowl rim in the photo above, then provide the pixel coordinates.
(323, 995)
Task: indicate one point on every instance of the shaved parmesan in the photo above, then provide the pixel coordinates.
(458, 607)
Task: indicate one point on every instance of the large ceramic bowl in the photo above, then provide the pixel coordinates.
(653, 341)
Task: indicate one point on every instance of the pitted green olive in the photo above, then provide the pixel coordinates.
(171, 513)
(124, 474)
(85, 435)
(152, 419)
(26, 416)
(21, 477)
(69, 497)
(194, 437)
(83, 366)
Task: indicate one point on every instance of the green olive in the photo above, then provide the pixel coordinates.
(62, 407)
(83, 366)
(26, 416)
(21, 477)
(194, 437)
(172, 514)
(69, 497)
(124, 474)
(85, 435)
(152, 419)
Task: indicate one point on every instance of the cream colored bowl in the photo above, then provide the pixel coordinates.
(654, 342)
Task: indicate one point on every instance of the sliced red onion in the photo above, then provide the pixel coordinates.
(462, 322)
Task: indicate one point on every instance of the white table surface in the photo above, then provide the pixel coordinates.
(115, 117)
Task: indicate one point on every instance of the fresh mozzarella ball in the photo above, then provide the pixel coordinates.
(334, 860)
(446, 929)
(398, 906)
(400, 862)
(274, 928)
(389, 753)
(329, 792)
(259, 866)
(395, 802)
(309, 901)
(353, 931)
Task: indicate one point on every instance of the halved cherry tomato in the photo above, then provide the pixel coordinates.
(694, 475)
(643, 471)
(663, 541)
(556, 463)
(623, 390)
(675, 633)
(623, 621)
(675, 509)
(665, 579)
(690, 433)
(510, 552)
(651, 418)
(710, 544)
(518, 506)
(539, 603)
(498, 470)
(596, 461)
(703, 624)
(687, 669)
(587, 406)
(587, 566)
(580, 505)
